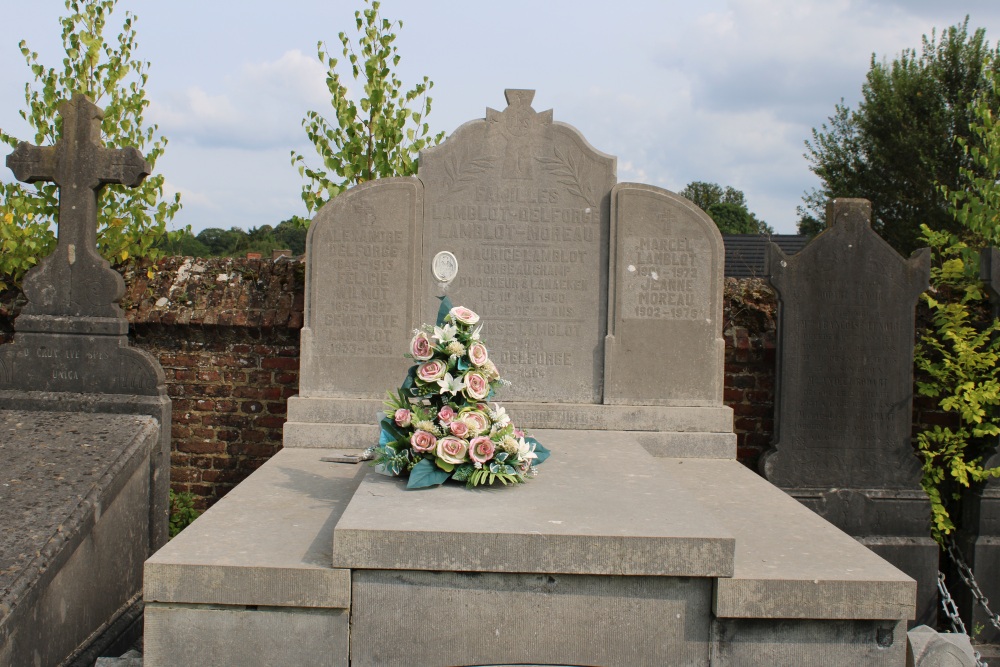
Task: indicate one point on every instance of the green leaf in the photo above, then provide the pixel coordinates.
(426, 474)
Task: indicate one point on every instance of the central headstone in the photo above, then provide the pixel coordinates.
(601, 301)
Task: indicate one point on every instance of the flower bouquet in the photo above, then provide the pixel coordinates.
(439, 424)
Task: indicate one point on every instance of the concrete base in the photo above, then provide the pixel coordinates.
(589, 563)
(72, 553)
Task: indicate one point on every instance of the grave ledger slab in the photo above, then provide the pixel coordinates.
(601, 301)
(845, 387)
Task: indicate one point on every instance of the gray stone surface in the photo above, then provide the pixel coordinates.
(578, 517)
(75, 281)
(523, 203)
(266, 543)
(665, 343)
(363, 261)
(73, 503)
(788, 563)
(845, 385)
(928, 648)
(229, 636)
(807, 643)
(131, 659)
(521, 207)
(489, 619)
(70, 349)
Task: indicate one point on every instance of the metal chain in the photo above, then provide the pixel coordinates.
(951, 611)
(949, 606)
(965, 572)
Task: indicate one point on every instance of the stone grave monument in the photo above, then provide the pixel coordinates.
(978, 537)
(642, 541)
(85, 423)
(845, 388)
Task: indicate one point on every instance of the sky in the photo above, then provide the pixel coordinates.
(724, 91)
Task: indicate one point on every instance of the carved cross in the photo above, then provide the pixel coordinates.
(75, 280)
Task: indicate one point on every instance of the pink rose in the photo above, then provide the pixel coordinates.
(403, 417)
(477, 421)
(518, 433)
(452, 450)
(446, 415)
(478, 354)
(459, 428)
(476, 386)
(421, 348)
(481, 449)
(463, 315)
(423, 441)
(432, 371)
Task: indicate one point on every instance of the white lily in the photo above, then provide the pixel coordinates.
(450, 384)
(525, 451)
(499, 415)
(446, 333)
(475, 332)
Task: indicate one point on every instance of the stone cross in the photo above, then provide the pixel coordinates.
(75, 280)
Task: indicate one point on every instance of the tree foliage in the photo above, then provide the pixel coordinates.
(379, 135)
(956, 356)
(904, 139)
(726, 206)
(130, 220)
(234, 242)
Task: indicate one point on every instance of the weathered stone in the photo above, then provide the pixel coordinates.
(845, 386)
(74, 495)
(523, 203)
(562, 526)
(266, 544)
(928, 648)
(665, 346)
(363, 262)
(807, 643)
(528, 618)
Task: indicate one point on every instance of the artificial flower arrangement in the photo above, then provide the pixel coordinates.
(439, 425)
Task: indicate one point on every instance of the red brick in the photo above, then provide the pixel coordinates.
(280, 363)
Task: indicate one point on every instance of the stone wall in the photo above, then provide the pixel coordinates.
(227, 334)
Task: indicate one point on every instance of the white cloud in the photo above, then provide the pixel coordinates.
(260, 107)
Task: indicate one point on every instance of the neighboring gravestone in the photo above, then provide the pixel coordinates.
(978, 536)
(597, 298)
(845, 386)
(70, 354)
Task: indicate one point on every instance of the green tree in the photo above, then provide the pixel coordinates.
(904, 139)
(726, 206)
(957, 354)
(375, 137)
(131, 220)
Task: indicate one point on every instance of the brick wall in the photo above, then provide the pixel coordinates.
(226, 332)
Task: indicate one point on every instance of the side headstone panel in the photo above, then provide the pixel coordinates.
(362, 287)
(523, 205)
(665, 344)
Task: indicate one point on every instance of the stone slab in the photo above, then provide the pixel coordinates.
(579, 516)
(523, 203)
(224, 637)
(74, 503)
(688, 445)
(808, 643)
(491, 619)
(267, 542)
(789, 562)
(304, 411)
